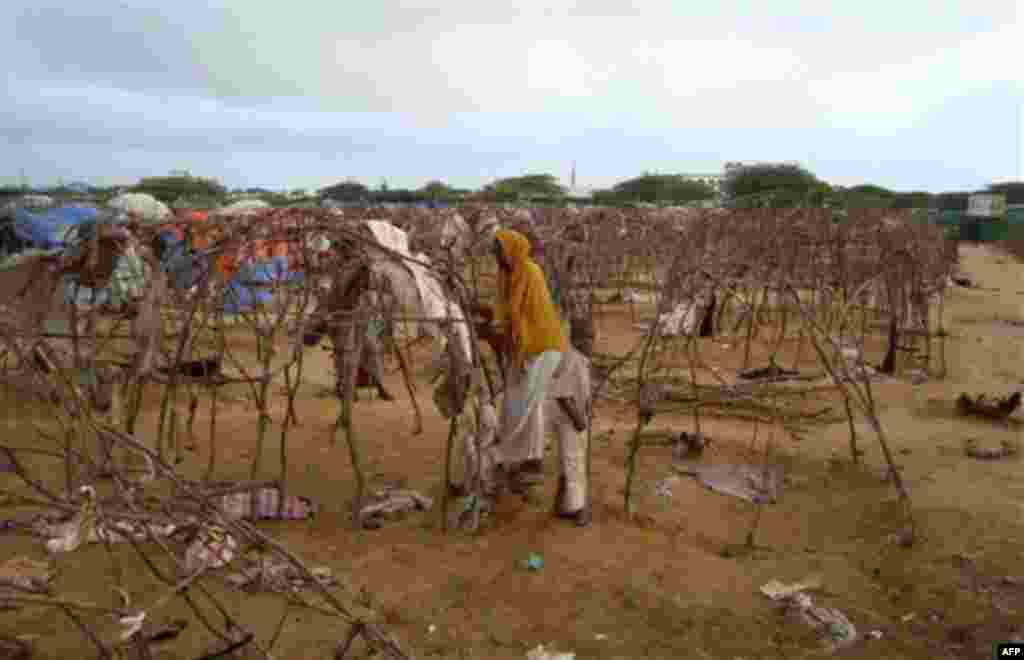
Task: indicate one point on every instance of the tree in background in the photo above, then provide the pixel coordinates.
(773, 184)
(12, 192)
(170, 188)
(530, 185)
(657, 188)
(437, 191)
(912, 200)
(865, 196)
(1014, 191)
(347, 191)
(952, 201)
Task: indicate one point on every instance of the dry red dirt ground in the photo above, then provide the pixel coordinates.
(669, 582)
(677, 546)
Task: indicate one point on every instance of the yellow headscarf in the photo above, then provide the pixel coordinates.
(524, 303)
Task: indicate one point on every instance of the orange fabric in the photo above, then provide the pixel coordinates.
(524, 307)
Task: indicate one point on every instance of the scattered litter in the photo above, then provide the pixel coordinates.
(84, 527)
(213, 548)
(268, 573)
(778, 591)
(68, 536)
(875, 634)
(133, 623)
(71, 535)
(771, 373)
(600, 637)
(169, 631)
(15, 648)
(993, 408)
(906, 618)
(431, 629)
(630, 296)
(534, 562)
(989, 448)
(540, 653)
(840, 632)
(689, 445)
(240, 505)
(26, 574)
(965, 282)
(392, 502)
(664, 487)
(866, 371)
(747, 482)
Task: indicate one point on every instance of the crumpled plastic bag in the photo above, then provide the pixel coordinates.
(836, 627)
(133, 624)
(213, 548)
(540, 653)
(275, 574)
(85, 528)
(779, 591)
(69, 536)
(747, 482)
(393, 501)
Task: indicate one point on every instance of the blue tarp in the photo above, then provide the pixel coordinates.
(253, 284)
(47, 229)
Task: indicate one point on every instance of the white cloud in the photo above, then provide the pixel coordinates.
(899, 93)
(650, 84)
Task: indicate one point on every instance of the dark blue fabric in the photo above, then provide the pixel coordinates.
(187, 269)
(46, 229)
(241, 295)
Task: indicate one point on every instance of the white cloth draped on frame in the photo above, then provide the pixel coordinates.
(410, 278)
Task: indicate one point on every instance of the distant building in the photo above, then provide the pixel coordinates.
(78, 187)
(579, 192)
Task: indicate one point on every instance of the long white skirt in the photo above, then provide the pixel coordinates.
(521, 432)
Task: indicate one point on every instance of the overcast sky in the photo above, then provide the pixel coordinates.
(909, 94)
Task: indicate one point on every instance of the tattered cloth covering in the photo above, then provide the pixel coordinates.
(274, 574)
(146, 208)
(188, 269)
(50, 228)
(747, 482)
(255, 282)
(127, 282)
(412, 281)
(394, 501)
(243, 207)
(31, 201)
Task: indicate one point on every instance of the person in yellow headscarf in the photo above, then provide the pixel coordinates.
(529, 334)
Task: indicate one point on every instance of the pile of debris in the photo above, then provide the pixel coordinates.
(985, 406)
(391, 503)
(836, 630)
